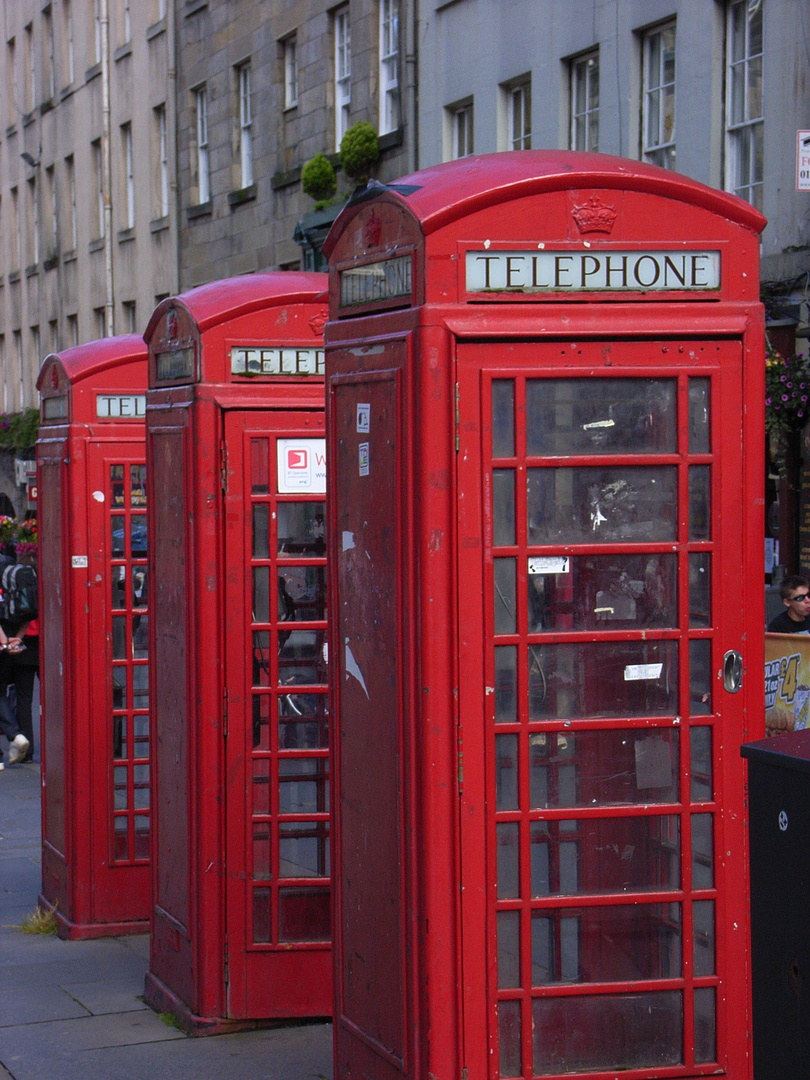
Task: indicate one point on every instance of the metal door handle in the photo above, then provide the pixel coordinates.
(732, 671)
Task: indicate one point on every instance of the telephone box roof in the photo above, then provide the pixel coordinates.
(92, 358)
(443, 193)
(220, 301)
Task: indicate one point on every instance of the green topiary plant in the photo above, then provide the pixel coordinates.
(318, 180)
(359, 150)
(18, 431)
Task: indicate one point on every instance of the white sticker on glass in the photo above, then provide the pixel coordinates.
(636, 672)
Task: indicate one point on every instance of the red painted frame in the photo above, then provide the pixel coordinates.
(438, 865)
(91, 893)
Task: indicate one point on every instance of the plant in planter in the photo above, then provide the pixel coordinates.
(359, 151)
(787, 401)
(318, 180)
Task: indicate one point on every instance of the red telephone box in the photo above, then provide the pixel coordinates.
(93, 629)
(235, 441)
(544, 415)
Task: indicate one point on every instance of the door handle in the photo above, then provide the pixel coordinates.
(732, 671)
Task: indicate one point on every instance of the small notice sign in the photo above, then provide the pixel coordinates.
(803, 161)
(301, 466)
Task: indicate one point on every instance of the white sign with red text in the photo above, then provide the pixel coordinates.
(301, 466)
(803, 161)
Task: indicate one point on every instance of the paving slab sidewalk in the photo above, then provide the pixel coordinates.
(72, 1010)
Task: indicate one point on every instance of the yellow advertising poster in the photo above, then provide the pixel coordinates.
(787, 682)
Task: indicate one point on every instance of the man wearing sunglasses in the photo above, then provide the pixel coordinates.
(795, 593)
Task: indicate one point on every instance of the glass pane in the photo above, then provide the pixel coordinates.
(303, 785)
(702, 852)
(601, 768)
(303, 849)
(599, 856)
(259, 467)
(509, 1039)
(508, 949)
(138, 536)
(262, 866)
(303, 722)
(140, 636)
(605, 678)
(118, 542)
(261, 531)
(261, 785)
(302, 657)
(700, 678)
(508, 860)
(704, 941)
(261, 721)
(139, 586)
(302, 593)
(602, 504)
(699, 502)
(121, 794)
(702, 781)
(705, 1025)
(301, 529)
(137, 482)
(304, 914)
(141, 829)
(503, 508)
(262, 908)
(117, 497)
(503, 418)
(699, 430)
(119, 637)
(602, 592)
(755, 88)
(506, 788)
(700, 589)
(505, 684)
(641, 1030)
(261, 594)
(140, 781)
(140, 725)
(119, 688)
(600, 416)
(120, 838)
(120, 737)
(119, 586)
(645, 943)
(505, 594)
(140, 686)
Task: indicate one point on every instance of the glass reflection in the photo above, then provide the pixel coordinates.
(505, 684)
(700, 502)
(699, 430)
(503, 507)
(599, 679)
(700, 677)
(302, 593)
(508, 924)
(509, 1039)
(702, 851)
(702, 783)
(261, 531)
(600, 416)
(705, 1024)
(602, 504)
(700, 589)
(508, 858)
(602, 592)
(504, 571)
(503, 418)
(506, 764)
(301, 529)
(303, 785)
(303, 849)
(703, 932)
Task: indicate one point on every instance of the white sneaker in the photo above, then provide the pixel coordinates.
(17, 748)
(2, 766)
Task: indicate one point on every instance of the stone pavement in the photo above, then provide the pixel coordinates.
(72, 1010)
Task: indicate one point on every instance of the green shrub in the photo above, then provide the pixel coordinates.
(318, 180)
(18, 431)
(359, 150)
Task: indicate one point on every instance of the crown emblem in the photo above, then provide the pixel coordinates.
(318, 322)
(594, 216)
(372, 230)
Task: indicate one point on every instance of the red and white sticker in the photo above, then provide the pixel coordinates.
(301, 466)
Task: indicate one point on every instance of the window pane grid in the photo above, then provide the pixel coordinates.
(744, 107)
(547, 843)
(585, 103)
(659, 97)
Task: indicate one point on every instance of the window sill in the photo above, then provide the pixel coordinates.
(69, 256)
(122, 51)
(159, 224)
(391, 139)
(96, 245)
(243, 195)
(199, 210)
(32, 270)
(92, 72)
(156, 29)
(65, 92)
(11, 130)
(193, 6)
(284, 179)
(29, 118)
(51, 262)
(46, 106)
(13, 276)
(124, 235)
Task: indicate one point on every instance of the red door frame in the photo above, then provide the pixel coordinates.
(476, 682)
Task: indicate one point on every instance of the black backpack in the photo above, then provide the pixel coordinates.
(20, 602)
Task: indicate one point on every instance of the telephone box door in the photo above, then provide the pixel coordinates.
(277, 744)
(600, 721)
(120, 791)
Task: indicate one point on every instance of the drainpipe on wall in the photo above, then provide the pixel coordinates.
(106, 169)
(171, 136)
(412, 86)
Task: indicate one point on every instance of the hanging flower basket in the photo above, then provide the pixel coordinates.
(787, 401)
